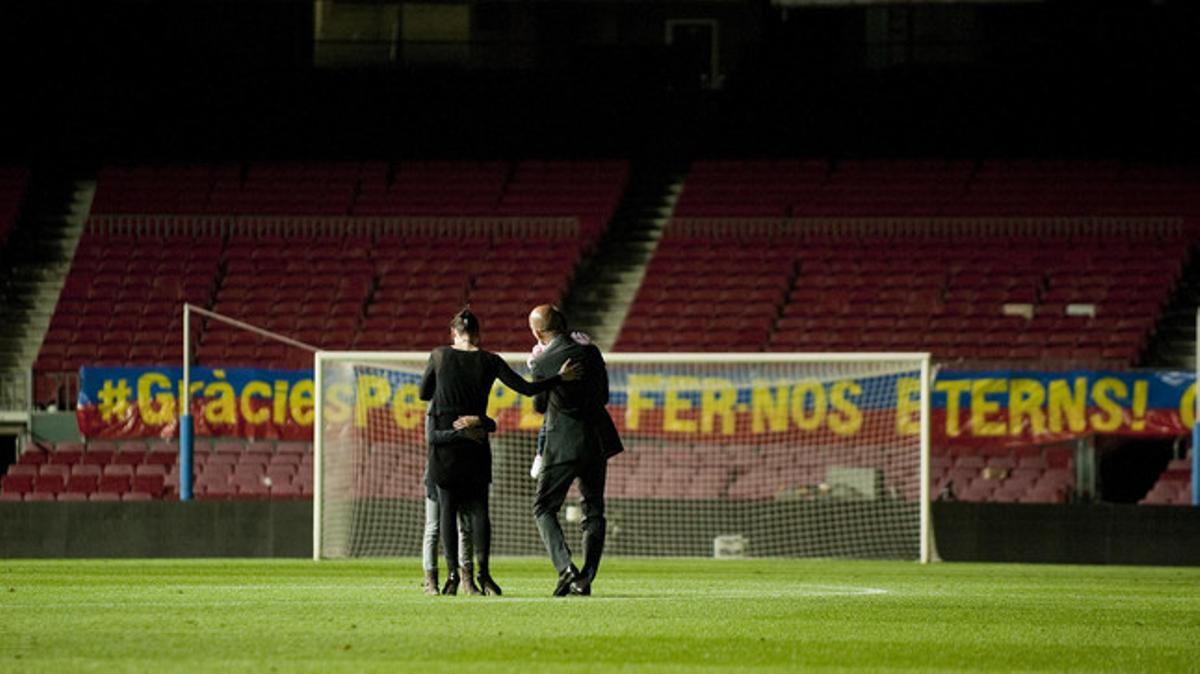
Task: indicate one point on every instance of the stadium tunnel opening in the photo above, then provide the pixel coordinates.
(8, 449)
(1129, 467)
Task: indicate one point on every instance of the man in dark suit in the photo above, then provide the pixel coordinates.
(580, 438)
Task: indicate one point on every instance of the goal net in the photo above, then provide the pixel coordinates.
(762, 455)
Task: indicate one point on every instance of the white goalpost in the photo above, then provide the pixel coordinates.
(727, 455)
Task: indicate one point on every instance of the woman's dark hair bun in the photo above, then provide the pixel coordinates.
(465, 322)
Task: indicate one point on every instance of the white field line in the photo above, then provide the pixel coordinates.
(402, 593)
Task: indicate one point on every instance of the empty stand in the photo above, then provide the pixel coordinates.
(1090, 299)
(437, 188)
(1026, 474)
(587, 191)
(296, 188)
(164, 189)
(310, 288)
(1174, 485)
(969, 296)
(236, 469)
(701, 294)
(270, 243)
(975, 290)
(122, 304)
(423, 281)
(905, 188)
(135, 470)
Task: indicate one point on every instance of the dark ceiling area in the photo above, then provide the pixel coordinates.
(217, 77)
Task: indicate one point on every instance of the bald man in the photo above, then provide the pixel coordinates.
(580, 438)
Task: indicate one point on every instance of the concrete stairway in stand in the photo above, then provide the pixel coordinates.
(608, 280)
(33, 268)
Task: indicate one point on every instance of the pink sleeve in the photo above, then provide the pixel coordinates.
(537, 350)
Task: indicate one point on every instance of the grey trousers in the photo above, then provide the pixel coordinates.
(553, 483)
(429, 543)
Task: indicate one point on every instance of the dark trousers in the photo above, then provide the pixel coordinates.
(473, 503)
(553, 483)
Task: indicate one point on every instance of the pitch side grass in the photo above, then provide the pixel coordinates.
(665, 615)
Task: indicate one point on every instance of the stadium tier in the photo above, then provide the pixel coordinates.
(422, 282)
(588, 191)
(706, 294)
(1174, 485)
(883, 188)
(223, 469)
(166, 189)
(274, 244)
(1026, 474)
(585, 190)
(376, 256)
(120, 304)
(433, 189)
(1067, 299)
(312, 289)
(997, 262)
(132, 470)
(1091, 300)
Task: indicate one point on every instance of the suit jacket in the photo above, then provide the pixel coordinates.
(577, 424)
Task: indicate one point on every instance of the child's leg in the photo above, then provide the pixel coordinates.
(541, 448)
(429, 542)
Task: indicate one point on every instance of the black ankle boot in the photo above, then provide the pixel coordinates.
(451, 586)
(489, 586)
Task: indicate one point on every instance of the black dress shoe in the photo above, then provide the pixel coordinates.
(565, 579)
(581, 587)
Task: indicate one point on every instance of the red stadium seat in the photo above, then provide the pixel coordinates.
(16, 484)
(49, 484)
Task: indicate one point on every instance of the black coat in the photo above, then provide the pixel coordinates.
(458, 383)
(577, 423)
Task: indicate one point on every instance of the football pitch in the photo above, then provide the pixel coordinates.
(647, 615)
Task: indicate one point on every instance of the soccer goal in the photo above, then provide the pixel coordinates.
(727, 455)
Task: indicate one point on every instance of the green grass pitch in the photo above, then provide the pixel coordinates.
(664, 615)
